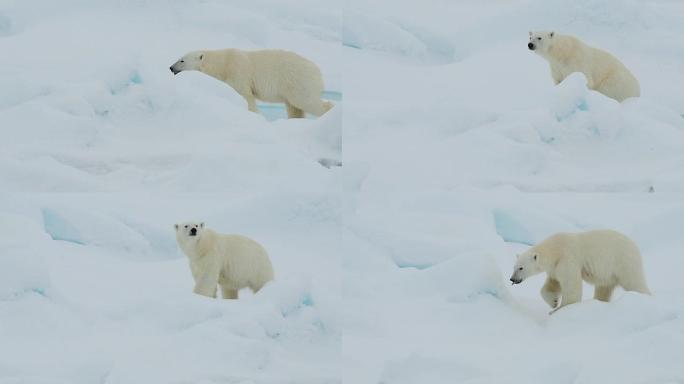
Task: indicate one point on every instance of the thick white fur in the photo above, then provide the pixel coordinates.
(604, 72)
(603, 258)
(231, 261)
(270, 75)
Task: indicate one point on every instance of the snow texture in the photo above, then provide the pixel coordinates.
(392, 221)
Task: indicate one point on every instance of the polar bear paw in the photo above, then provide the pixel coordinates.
(551, 298)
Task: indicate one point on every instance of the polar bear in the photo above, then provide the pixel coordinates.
(270, 75)
(567, 54)
(604, 258)
(231, 261)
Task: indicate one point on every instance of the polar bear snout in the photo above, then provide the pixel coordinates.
(174, 70)
(516, 280)
(531, 46)
(193, 232)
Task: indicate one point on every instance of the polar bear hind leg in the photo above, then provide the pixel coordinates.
(312, 105)
(294, 112)
(619, 86)
(603, 293)
(229, 293)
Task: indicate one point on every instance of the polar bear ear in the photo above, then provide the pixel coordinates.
(535, 257)
(551, 34)
(175, 226)
(202, 56)
(202, 225)
(530, 33)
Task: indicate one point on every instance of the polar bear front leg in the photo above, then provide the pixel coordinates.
(551, 292)
(570, 280)
(591, 84)
(251, 103)
(206, 284)
(556, 75)
(245, 91)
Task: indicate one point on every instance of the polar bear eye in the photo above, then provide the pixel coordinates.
(538, 38)
(520, 269)
(182, 61)
(186, 226)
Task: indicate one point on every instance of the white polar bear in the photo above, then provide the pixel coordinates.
(270, 75)
(603, 258)
(567, 55)
(231, 261)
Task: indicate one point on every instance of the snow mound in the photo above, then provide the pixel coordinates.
(23, 264)
(86, 228)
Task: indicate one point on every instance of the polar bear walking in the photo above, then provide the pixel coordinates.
(270, 75)
(230, 261)
(567, 54)
(603, 258)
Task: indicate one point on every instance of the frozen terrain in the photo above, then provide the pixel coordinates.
(470, 155)
(459, 152)
(104, 150)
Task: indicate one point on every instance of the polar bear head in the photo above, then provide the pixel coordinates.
(540, 41)
(189, 231)
(526, 265)
(189, 62)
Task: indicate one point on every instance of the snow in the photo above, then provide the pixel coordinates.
(470, 156)
(104, 150)
(392, 221)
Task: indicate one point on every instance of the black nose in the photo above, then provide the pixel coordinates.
(530, 46)
(512, 280)
(193, 231)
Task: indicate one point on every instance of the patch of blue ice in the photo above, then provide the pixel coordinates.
(511, 229)
(133, 79)
(136, 78)
(485, 292)
(419, 266)
(60, 229)
(349, 44)
(275, 111)
(582, 105)
(304, 301)
(307, 300)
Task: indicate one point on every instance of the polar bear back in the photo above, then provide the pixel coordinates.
(243, 262)
(604, 72)
(605, 257)
(283, 74)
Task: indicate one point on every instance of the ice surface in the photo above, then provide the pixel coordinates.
(466, 161)
(105, 150)
(459, 152)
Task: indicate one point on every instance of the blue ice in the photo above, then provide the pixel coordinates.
(511, 229)
(275, 111)
(58, 228)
